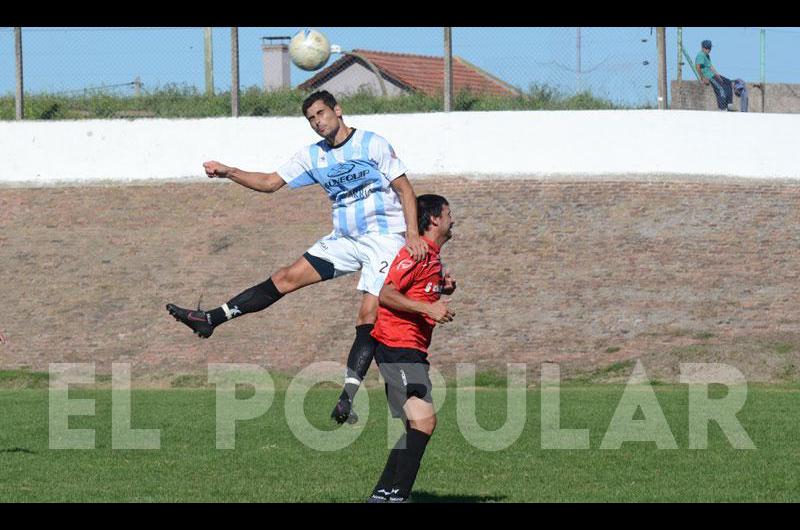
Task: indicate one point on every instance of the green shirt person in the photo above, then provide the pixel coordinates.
(708, 74)
(703, 64)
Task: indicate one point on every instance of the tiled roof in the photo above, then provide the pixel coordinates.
(420, 72)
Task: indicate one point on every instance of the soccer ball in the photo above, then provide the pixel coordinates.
(309, 49)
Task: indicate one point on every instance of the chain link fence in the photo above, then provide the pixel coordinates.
(597, 67)
(615, 64)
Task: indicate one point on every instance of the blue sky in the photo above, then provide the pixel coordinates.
(618, 63)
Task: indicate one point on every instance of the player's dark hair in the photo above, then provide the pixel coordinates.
(429, 206)
(323, 95)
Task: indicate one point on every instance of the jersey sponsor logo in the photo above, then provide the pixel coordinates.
(431, 287)
(341, 175)
(340, 169)
(360, 193)
(405, 264)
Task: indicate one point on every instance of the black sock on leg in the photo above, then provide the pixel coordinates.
(384, 485)
(256, 298)
(409, 460)
(358, 361)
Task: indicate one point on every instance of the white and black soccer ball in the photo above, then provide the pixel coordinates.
(309, 49)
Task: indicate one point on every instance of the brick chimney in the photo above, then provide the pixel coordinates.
(275, 53)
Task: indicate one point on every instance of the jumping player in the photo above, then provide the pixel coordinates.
(374, 216)
(409, 309)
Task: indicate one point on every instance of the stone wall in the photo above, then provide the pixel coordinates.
(775, 98)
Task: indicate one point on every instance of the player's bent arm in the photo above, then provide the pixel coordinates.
(449, 286)
(263, 182)
(393, 299)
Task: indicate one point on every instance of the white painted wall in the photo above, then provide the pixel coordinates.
(499, 144)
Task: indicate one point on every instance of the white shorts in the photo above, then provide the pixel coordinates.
(370, 253)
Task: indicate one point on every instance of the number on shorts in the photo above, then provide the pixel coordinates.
(384, 265)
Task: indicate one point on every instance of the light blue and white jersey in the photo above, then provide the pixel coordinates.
(356, 176)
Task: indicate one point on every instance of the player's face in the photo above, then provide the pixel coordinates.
(323, 119)
(447, 222)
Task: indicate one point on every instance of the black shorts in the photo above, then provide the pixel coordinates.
(405, 371)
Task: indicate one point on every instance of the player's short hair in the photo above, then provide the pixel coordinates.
(323, 95)
(429, 206)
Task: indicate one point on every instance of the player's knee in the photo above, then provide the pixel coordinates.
(426, 424)
(286, 279)
(281, 277)
(366, 316)
(368, 312)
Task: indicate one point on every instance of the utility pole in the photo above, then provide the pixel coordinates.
(235, 72)
(662, 67)
(680, 57)
(19, 102)
(763, 69)
(578, 68)
(448, 70)
(209, 59)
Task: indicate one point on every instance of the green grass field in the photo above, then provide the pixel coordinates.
(270, 465)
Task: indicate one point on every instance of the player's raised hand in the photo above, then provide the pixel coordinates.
(215, 169)
(416, 246)
(440, 312)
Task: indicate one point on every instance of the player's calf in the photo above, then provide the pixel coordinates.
(358, 361)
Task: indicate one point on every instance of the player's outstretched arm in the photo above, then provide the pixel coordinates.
(263, 182)
(415, 244)
(393, 299)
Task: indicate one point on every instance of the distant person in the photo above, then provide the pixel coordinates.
(2, 338)
(723, 88)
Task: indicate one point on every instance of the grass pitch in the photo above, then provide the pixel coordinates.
(269, 464)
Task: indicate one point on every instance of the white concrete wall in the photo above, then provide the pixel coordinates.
(500, 144)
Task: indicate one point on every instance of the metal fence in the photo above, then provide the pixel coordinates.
(618, 65)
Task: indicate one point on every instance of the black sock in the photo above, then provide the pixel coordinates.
(359, 359)
(408, 461)
(254, 299)
(390, 470)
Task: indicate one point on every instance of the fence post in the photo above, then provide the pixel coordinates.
(662, 67)
(235, 72)
(680, 57)
(209, 60)
(579, 81)
(448, 70)
(763, 69)
(20, 98)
